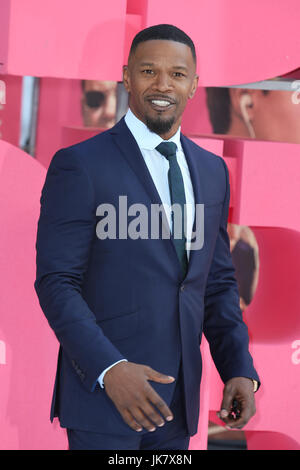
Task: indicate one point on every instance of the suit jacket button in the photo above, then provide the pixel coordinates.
(182, 287)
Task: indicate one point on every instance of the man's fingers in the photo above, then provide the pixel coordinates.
(158, 402)
(158, 376)
(127, 385)
(144, 420)
(238, 404)
(226, 404)
(246, 412)
(227, 407)
(129, 419)
(145, 415)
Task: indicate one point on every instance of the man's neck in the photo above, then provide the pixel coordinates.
(165, 136)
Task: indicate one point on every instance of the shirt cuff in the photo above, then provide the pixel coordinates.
(100, 378)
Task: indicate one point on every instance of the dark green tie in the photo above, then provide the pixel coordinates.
(168, 149)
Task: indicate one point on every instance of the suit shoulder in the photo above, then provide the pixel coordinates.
(87, 145)
(83, 153)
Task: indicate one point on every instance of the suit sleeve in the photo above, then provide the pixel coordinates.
(66, 229)
(224, 328)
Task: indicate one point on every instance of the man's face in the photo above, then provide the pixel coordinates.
(274, 115)
(277, 117)
(160, 78)
(99, 103)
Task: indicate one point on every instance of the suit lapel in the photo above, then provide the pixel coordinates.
(191, 154)
(193, 163)
(131, 152)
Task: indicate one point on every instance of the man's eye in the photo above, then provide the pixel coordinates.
(147, 71)
(179, 74)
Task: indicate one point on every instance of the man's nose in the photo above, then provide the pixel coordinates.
(163, 82)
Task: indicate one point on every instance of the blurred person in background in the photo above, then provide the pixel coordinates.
(255, 114)
(99, 103)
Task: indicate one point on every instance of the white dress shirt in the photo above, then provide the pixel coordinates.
(158, 167)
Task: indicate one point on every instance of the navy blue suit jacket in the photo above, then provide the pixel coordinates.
(124, 298)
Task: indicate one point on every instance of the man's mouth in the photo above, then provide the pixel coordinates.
(161, 103)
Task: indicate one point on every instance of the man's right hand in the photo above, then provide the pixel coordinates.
(127, 386)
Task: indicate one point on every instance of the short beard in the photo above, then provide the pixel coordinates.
(159, 126)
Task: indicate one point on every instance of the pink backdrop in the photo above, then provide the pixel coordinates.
(63, 41)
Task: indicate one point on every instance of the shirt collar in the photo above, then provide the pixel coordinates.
(144, 137)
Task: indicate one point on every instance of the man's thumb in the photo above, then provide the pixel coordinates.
(226, 403)
(158, 376)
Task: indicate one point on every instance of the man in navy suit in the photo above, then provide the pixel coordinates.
(127, 306)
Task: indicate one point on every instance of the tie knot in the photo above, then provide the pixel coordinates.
(167, 149)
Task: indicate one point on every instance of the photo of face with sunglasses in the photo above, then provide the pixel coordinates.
(99, 103)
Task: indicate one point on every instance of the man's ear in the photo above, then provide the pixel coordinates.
(242, 102)
(126, 78)
(194, 87)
